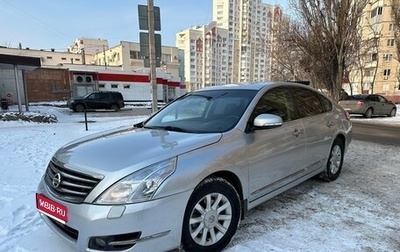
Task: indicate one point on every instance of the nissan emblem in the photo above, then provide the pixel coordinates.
(56, 180)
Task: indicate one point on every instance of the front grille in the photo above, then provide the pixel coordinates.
(69, 185)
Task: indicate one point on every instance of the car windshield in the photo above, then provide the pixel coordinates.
(203, 111)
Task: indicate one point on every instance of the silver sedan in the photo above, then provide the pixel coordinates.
(369, 105)
(186, 176)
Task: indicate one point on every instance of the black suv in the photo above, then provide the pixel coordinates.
(97, 100)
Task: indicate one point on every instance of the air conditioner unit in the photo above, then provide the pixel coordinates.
(79, 79)
(88, 79)
(83, 79)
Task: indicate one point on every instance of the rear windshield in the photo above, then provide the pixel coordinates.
(356, 97)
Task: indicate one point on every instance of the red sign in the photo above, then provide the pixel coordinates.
(51, 208)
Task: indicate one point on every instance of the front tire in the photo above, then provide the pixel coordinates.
(335, 161)
(392, 112)
(114, 107)
(368, 113)
(211, 216)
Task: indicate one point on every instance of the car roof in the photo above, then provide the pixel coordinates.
(253, 86)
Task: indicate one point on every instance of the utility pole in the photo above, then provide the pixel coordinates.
(152, 54)
(104, 55)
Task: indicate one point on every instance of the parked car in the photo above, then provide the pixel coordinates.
(187, 175)
(97, 100)
(369, 105)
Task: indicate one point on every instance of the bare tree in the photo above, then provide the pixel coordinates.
(324, 32)
(283, 55)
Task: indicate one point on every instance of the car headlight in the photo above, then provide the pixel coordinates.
(139, 186)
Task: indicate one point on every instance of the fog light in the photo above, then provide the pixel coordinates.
(114, 242)
(100, 242)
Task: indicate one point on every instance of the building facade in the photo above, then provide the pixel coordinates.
(249, 24)
(52, 58)
(126, 55)
(379, 70)
(88, 46)
(76, 71)
(205, 55)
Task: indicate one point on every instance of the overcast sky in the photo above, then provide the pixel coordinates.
(45, 24)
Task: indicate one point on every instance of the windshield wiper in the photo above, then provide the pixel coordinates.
(138, 125)
(170, 128)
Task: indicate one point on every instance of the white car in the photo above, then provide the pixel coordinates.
(186, 176)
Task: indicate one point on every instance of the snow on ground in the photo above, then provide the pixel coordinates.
(358, 212)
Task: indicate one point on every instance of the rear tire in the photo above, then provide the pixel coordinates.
(211, 217)
(335, 161)
(79, 108)
(368, 113)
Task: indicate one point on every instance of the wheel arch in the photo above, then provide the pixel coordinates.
(234, 180)
(341, 137)
(80, 103)
(371, 108)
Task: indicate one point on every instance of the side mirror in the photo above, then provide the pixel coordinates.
(265, 121)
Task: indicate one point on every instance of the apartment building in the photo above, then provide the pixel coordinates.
(379, 71)
(249, 24)
(205, 55)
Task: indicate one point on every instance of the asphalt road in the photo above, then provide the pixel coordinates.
(376, 133)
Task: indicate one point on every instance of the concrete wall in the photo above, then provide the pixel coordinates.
(8, 88)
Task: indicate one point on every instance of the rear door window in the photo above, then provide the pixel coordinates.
(307, 102)
(327, 104)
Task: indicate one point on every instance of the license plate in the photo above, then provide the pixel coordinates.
(51, 208)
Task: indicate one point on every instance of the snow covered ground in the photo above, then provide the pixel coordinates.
(358, 212)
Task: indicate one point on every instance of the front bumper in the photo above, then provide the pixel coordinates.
(150, 226)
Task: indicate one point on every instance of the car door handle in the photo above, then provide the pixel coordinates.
(297, 132)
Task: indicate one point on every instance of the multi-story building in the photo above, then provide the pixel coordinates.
(127, 56)
(378, 71)
(205, 55)
(88, 46)
(249, 24)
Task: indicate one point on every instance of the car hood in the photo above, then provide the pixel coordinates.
(128, 148)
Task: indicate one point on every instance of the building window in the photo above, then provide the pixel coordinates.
(114, 85)
(376, 11)
(63, 58)
(388, 57)
(127, 86)
(390, 42)
(134, 54)
(385, 87)
(102, 85)
(374, 56)
(166, 57)
(49, 57)
(386, 74)
(391, 26)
